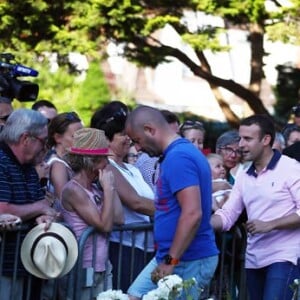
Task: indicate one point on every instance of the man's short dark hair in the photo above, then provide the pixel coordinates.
(40, 103)
(265, 124)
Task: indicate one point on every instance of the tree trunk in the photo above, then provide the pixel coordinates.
(256, 39)
(254, 102)
(230, 116)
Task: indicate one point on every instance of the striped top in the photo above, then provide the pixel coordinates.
(19, 184)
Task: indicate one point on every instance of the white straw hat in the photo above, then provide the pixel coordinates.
(49, 254)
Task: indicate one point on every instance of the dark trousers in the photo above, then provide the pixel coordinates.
(272, 282)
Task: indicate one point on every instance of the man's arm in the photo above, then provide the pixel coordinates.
(129, 196)
(188, 223)
(216, 222)
(189, 220)
(291, 221)
(28, 211)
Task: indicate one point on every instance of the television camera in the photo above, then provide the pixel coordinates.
(10, 86)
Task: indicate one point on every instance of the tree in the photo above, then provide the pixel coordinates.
(87, 26)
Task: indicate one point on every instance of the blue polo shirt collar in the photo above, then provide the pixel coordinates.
(271, 165)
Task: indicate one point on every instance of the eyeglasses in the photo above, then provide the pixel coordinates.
(229, 151)
(118, 115)
(4, 118)
(43, 141)
(191, 124)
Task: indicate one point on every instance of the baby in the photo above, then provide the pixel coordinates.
(221, 188)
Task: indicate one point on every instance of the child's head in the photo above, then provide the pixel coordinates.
(216, 165)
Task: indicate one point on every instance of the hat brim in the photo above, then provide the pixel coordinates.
(90, 152)
(33, 234)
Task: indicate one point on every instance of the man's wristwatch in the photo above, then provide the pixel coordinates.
(169, 260)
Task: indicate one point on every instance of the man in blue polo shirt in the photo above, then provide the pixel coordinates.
(184, 237)
(22, 146)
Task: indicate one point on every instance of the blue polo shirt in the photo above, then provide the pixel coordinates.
(19, 184)
(182, 166)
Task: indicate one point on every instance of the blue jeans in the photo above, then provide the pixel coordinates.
(202, 270)
(272, 282)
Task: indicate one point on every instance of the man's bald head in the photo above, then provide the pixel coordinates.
(145, 115)
(149, 130)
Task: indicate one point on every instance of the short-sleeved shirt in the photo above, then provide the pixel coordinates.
(183, 166)
(148, 167)
(269, 195)
(19, 184)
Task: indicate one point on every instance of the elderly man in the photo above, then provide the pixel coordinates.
(184, 238)
(23, 145)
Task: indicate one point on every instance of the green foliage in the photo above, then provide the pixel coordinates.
(286, 32)
(70, 94)
(159, 22)
(60, 87)
(29, 28)
(235, 11)
(93, 92)
(207, 38)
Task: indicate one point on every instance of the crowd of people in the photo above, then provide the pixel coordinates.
(144, 165)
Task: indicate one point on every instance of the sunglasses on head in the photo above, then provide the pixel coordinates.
(189, 124)
(118, 115)
(72, 116)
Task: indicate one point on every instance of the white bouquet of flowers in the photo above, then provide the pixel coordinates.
(112, 295)
(169, 287)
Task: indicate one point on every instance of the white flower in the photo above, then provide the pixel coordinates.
(170, 282)
(156, 295)
(112, 295)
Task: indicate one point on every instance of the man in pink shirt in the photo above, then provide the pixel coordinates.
(270, 192)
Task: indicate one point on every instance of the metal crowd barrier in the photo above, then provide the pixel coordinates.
(228, 282)
(80, 278)
(18, 284)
